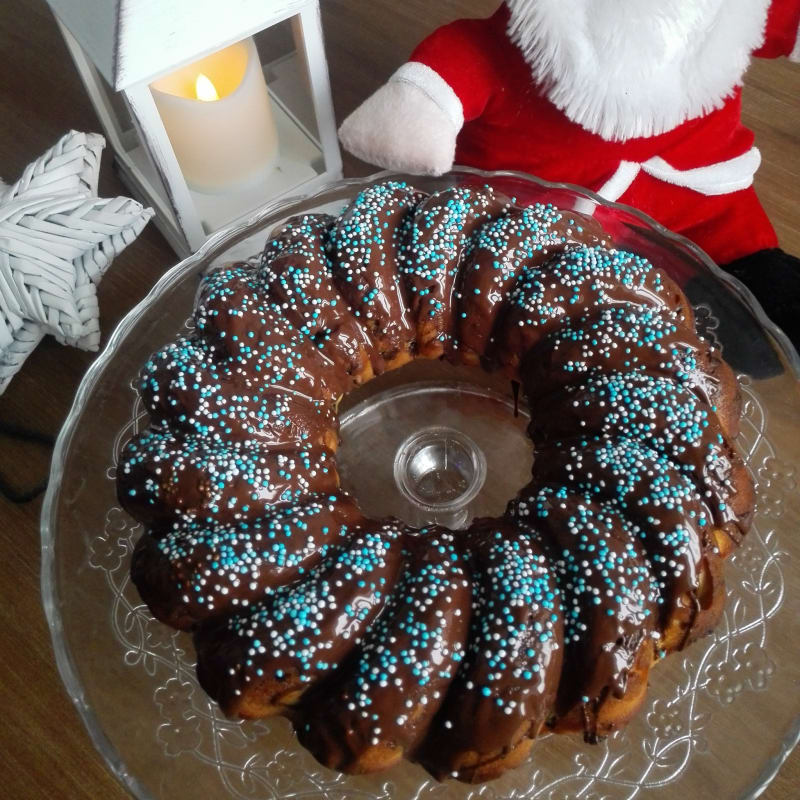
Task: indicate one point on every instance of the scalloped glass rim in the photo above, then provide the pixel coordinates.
(64, 661)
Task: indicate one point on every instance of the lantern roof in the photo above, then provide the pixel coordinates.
(130, 41)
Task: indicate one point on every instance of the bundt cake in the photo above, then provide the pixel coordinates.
(454, 648)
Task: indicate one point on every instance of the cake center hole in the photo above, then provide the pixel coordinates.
(440, 470)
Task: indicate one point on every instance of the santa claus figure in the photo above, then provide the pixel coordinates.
(638, 100)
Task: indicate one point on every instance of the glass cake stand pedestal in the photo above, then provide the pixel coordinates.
(429, 443)
(434, 447)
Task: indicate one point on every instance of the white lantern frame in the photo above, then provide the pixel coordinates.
(144, 155)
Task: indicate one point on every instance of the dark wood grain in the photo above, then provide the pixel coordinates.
(46, 751)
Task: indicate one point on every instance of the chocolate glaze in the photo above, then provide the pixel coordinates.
(637, 475)
(365, 246)
(505, 688)
(161, 478)
(659, 413)
(443, 228)
(675, 535)
(189, 572)
(609, 597)
(187, 389)
(574, 281)
(523, 238)
(631, 338)
(236, 318)
(271, 652)
(399, 673)
(297, 273)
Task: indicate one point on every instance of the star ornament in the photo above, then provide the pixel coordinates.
(57, 239)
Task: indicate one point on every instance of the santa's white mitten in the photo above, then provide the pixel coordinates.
(410, 124)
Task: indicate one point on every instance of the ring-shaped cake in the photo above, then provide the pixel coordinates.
(454, 648)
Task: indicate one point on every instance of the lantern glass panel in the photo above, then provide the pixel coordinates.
(284, 65)
(299, 157)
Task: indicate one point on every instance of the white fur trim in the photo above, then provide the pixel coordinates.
(630, 68)
(435, 87)
(620, 181)
(723, 177)
(401, 127)
(795, 54)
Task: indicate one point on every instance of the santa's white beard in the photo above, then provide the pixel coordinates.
(628, 68)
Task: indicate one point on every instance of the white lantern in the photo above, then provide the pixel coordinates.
(212, 109)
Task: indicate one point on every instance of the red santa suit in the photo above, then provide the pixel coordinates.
(637, 100)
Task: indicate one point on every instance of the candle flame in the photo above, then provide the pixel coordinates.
(204, 89)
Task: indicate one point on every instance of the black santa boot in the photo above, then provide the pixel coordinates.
(774, 278)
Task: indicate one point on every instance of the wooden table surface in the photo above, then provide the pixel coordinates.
(45, 749)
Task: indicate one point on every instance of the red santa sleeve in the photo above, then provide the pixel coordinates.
(454, 66)
(782, 31)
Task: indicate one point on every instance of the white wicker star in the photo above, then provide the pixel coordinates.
(57, 239)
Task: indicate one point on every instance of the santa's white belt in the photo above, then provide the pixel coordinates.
(723, 177)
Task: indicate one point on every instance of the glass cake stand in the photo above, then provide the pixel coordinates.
(720, 717)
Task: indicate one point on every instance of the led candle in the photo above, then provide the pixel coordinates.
(217, 115)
